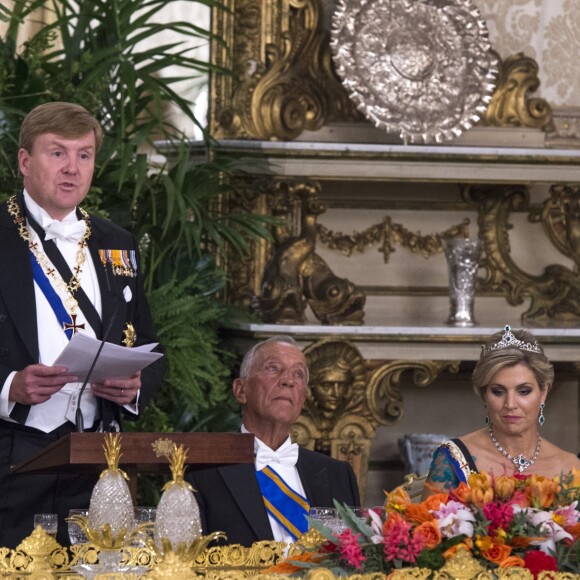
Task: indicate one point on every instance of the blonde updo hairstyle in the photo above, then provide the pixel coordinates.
(492, 361)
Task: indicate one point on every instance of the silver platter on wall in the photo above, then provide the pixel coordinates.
(421, 68)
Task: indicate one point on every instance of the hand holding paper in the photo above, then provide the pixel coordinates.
(115, 361)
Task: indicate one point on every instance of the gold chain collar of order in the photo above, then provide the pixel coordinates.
(75, 281)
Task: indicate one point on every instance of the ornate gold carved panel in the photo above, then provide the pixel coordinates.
(555, 294)
(512, 104)
(347, 401)
(282, 81)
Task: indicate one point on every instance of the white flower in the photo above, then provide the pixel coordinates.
(454, 519)
(552, 532)
(376, 527)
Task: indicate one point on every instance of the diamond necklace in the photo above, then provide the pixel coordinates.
(75, 281)
(520, 461)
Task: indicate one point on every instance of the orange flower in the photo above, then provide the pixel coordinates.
(541, 491)
(394, 518)
(463, 493)
(397, 500)
(434, 501)
(521, 542)
(450, 552)
(504, 487)
(418, 513)
(495, 552)
(481, 488)
(574, 530)
(286, 567)
(512, 562)
(429, 533)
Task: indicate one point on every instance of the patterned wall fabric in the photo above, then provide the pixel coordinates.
(546, 30)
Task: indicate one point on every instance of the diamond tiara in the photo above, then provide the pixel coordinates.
(508, 340)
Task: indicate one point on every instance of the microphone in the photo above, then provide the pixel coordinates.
(79, 419)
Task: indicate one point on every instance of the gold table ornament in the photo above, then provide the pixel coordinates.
(37, 558)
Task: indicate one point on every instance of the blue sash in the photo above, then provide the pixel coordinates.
(53, 299)
(286, 506)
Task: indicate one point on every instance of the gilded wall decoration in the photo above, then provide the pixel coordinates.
(282, 82)
(388, 235)
(244, 273)
(555, 294)
(512, 104)
(336, 386)
(560, 217)
(347, 402)
(384, 387)
(295, 276)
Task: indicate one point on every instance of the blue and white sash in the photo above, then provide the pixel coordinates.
(53, 298)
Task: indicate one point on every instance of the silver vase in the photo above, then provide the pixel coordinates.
(463, 261)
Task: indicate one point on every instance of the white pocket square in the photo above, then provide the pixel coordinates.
(127, 294)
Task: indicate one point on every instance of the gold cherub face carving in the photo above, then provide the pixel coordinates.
(337, 381)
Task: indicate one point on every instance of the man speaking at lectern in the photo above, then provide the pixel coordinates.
(62, 271)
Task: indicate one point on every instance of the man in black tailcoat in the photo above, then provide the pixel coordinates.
(63, 271)
(272, 389)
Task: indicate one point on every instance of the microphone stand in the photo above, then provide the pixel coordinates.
(79, 419)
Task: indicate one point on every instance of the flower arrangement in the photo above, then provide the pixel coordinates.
(530, 522)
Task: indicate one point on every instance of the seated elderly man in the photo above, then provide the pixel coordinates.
(269, 500)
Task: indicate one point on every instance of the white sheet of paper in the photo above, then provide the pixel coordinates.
(115, 361)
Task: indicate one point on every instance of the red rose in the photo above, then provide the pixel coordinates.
(537, 561)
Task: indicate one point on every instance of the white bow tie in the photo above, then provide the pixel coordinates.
(287, 455)
(70, 231)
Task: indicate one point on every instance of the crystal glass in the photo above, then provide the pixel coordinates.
(75, 532)
(48, 522)
(463, 261)
(329, 517)
(145, 515)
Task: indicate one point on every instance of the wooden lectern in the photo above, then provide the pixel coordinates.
(84, 452)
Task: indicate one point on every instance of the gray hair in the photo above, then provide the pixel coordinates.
(248, 359)
(493, 361)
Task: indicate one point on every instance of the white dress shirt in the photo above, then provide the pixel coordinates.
(52, 340)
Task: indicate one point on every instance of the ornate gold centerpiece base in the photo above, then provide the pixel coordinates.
(40, 557)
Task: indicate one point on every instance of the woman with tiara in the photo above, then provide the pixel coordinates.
(512, 377)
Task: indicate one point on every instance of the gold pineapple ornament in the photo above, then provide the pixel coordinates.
(177, 520)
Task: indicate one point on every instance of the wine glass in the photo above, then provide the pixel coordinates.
(329, 517)
(48, 522)
(146, 515)
(75, 532)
